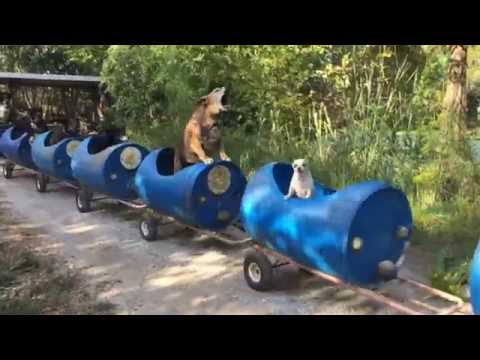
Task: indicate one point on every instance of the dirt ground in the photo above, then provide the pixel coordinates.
(33, 282)
(178, 274)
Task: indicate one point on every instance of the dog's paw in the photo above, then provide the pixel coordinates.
(225, 158)
(208, 161)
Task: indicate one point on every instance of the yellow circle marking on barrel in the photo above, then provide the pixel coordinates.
(219, 179)
(130, 158)
(402, 232)
(357, 243)
(223, 215)
(72, 146)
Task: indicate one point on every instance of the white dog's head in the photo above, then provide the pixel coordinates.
(300, 165)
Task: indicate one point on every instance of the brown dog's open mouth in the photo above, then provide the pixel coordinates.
(224, 103)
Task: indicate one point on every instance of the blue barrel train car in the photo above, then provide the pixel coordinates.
(205, 196)
(357, 234)
(106, 165)
(2, 130)
(15, 146)
(53, 159)
(475, 282)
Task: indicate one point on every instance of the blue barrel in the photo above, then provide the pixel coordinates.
(54, 160)
(475, 282)
(15, 145)
(103, 165)
(347, 233)
(4, 127)
(205, 196)
(2, 130)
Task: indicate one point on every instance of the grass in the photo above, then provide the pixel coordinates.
(33, 284)
(449, 231)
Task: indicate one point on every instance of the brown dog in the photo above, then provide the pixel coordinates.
(202, 138)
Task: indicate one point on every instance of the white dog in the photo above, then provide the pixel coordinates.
(301, 184)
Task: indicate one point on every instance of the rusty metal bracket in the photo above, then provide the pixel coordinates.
(377, 297)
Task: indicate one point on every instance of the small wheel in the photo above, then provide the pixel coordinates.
(8, 170)
(148, 229)
(82, 200)
(41, 182)
(258, 271)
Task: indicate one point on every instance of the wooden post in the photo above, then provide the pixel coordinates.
(455, 100)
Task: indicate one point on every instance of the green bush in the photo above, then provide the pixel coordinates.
(452, 275)
(289, 90)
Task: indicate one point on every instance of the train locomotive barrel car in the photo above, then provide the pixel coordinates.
(357, 234)
(107, 165)
(475, 282)
(15, 146)
(203, 196)
(53, 159)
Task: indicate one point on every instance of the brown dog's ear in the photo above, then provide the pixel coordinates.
(202, 101)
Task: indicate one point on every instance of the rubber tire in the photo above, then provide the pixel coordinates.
(152, 228)
(82, 201)
(7, 171)
(41, 182)
(266, 271)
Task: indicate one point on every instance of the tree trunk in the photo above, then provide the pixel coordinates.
(455, 101)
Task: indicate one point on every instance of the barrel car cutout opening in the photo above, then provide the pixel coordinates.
(106, 165)
(53, 158)
(15, 145)
(204, 196)
(357, 233)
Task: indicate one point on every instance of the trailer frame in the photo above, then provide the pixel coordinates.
(281, 260)
(149, 225)
(153, 225)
